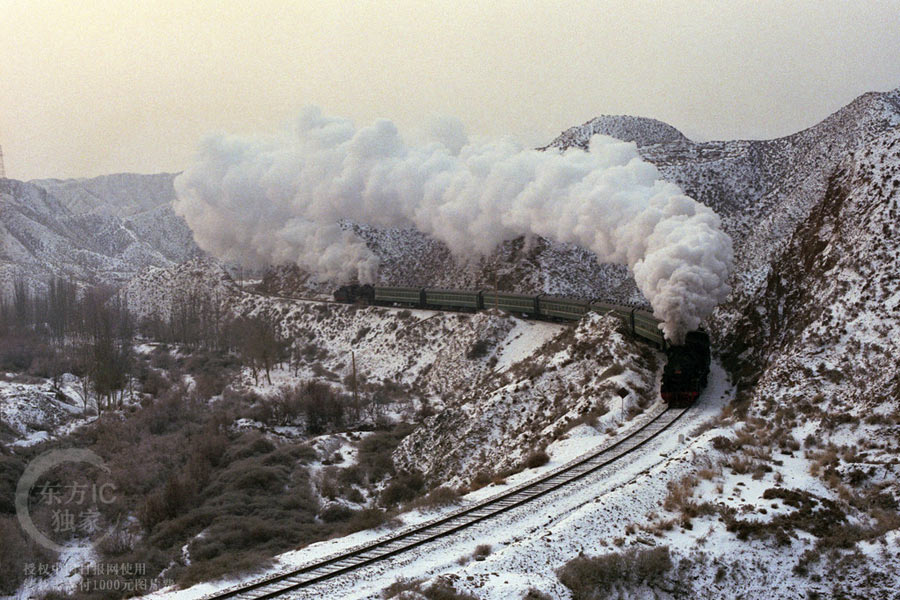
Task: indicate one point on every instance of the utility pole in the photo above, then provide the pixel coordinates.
(355, 392)
(2, 169)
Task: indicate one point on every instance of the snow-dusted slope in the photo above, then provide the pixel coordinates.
(156, 291)
(826, 321)
(533, 265)
(640, 130)
(589, 373)
(501, 386)
(761, 189)
(121, 194)
(102, 230)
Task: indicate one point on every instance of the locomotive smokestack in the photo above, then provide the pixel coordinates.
(282, 197)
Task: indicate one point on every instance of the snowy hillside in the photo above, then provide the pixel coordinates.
(98, 231)
(157, 291)
(120, 195)
(475, 370)
(784, 485)
(527, 265)
(761, 189)
(588, 374)
(784, 480)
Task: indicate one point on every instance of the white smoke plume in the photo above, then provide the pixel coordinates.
(281, 198)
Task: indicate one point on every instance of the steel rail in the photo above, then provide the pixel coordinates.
(449, 524)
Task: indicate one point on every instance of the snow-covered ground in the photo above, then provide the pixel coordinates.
(529, 543)
(525, 532)
(33, 413)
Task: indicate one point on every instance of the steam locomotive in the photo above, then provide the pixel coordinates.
(684, 376)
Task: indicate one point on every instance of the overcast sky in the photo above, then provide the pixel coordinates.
(108, 87)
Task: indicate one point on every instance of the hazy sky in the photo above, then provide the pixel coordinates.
(95, 87)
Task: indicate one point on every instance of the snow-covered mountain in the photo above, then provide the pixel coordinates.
(101, 230)
(121, 194)
(762, 189)
(785, 478)
(528, 265)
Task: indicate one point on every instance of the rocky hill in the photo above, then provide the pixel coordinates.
(814, 310)
(762, 189)
(121, 194)
(794, 480)
(95, 231)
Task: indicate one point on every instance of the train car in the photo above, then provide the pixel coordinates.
(686, 371)
(604, 308)
(514, 303)
(626, 313)
(453, 299)
(644, 325)
(555, 307)
(687, 368)
(399, 295)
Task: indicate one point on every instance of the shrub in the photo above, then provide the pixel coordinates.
(152, 382)
(335, 512)
(11, 468)
(436, 498)
(404, 487)
(680, 493)
(722, 443)
(595, 577)
(536, 594)
(481, 479)
(536, 459)
(361, 333)
(400, 586)
(375, 452)
(367, 518)
(440, 590)
(209, 384)
(479, 349)
(16, 551)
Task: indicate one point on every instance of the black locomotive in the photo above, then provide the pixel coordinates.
(686, 370)
(355, 293)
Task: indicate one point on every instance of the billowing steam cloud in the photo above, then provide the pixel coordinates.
(281, 198)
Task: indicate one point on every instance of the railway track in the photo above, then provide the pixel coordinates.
(446, 525)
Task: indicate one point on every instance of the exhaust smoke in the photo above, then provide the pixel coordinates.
(279, 198)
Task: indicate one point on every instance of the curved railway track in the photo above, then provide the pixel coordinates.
(446, 525)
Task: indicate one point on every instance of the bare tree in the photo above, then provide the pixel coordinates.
(259, 343)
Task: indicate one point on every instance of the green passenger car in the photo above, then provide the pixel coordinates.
(646, 326)
(603, 308)
(562, 308)
(399, 295)
(452, 298)
(514, 303)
